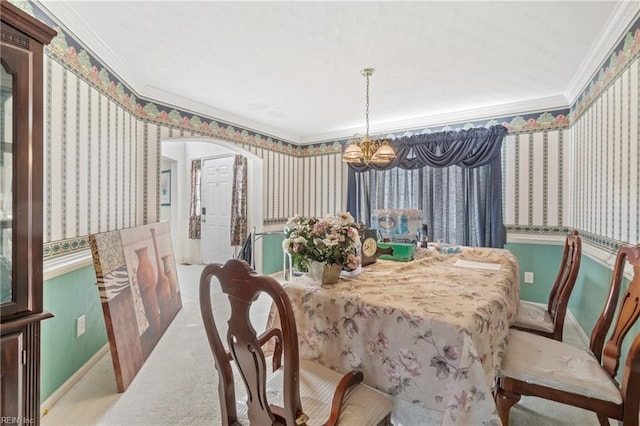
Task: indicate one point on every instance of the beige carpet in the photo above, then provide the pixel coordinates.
(178, 383)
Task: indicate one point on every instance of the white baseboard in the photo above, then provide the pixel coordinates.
(581, 334)
(71, 381)
(584, 339)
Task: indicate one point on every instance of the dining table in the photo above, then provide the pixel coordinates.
(431, 332)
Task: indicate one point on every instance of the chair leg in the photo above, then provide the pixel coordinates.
(504, 401)
(604, 420)
(386, 421)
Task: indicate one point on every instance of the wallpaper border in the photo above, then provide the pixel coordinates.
(78, 59)
(599, 241)
(64, 247)
(70, 54)
(620, 58)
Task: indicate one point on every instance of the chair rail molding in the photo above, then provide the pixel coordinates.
(594, 252)
(66, 263)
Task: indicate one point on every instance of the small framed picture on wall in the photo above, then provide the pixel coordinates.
(165, 188)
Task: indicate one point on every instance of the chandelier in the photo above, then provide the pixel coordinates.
(363, 149)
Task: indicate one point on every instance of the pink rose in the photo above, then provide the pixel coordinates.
(451, 352)
(393, 370)
(382, 341)
(312, 339)
(410, 362)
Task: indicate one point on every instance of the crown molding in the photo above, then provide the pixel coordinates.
(622, 17)
(470, 115)
(86, 36)
(159, 95)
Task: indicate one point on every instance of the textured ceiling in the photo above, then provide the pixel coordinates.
(292, 69)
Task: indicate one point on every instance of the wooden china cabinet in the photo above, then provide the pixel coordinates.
(21, 131)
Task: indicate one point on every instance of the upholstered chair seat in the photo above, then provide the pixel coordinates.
(283, 389)
(534, 317)
(361, 406)
(539, 360)
(547, 368)
(549, 321)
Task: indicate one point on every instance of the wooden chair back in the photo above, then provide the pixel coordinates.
(564, 282)
(243, 286)
(607, 352)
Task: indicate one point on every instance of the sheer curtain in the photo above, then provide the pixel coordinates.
(463, 205)
(194, 206)
(239, 201)
(455, 178)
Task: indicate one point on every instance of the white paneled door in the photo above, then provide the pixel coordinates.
(216, 186)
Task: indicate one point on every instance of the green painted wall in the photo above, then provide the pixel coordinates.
(590, 292)
(543, 261)
(68, 297)
(272, 253)
(588, 296)
(76, 293)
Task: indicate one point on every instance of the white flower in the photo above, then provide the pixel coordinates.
(346, 217)
(332, 239)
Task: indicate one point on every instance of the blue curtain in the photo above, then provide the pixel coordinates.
(454, 177)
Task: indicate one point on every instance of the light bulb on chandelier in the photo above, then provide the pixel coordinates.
(363, 149)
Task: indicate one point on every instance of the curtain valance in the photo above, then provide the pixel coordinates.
(465, 148)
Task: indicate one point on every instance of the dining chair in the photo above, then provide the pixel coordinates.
(549, 321)
(277, 397)
(538, 366)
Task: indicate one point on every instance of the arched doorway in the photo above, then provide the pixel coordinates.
(179, 152)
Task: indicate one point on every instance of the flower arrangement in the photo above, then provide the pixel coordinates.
(333, 239)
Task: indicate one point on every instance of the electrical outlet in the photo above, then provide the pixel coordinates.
(528, 277)
(80, 325)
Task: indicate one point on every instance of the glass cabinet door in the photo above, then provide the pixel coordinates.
(21, 156)
(17, 264)
(6, 183)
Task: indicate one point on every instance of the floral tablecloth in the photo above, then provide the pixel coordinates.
(430, 331)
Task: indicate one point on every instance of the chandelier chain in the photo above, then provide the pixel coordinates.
(364, 150)
(367, 105)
